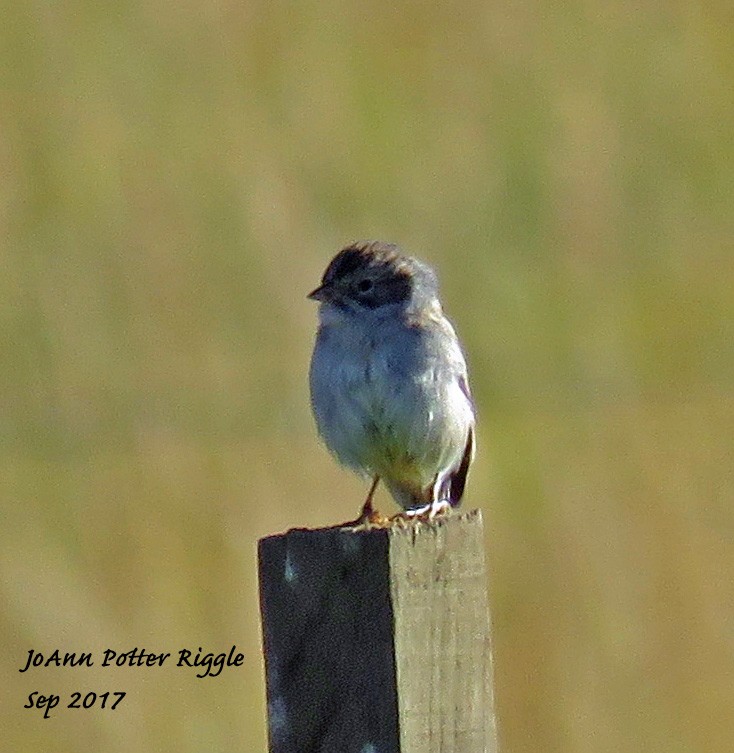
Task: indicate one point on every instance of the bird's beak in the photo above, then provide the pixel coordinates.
(320, 294)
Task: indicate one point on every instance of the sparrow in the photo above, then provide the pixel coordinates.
(388, 379)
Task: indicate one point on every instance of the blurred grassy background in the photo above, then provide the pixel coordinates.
(174, 179)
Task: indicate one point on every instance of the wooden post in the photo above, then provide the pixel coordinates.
(377, 640)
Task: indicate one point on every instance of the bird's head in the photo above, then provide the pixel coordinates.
(372, 277)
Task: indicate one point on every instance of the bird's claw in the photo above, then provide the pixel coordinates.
(369, 518)
(430, 512)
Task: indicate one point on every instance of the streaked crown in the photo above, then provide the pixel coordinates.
(372, 274)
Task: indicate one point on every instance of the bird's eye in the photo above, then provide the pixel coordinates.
(364, 285)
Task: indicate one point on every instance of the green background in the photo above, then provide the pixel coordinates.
(174, 179)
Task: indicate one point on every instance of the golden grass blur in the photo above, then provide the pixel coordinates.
(175, 179)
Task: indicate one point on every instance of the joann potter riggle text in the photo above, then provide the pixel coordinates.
(209, 664)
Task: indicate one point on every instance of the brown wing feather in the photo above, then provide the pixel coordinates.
(457, 480)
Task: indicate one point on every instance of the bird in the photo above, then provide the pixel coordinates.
(388, 380)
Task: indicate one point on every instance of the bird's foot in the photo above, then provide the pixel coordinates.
(369, 518)
(437, 509)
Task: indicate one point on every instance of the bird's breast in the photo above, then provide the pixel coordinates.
(384, 403)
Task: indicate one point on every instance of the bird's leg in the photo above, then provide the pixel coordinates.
(367, 508)
(438, 508)
(369, 515)
(439, 504)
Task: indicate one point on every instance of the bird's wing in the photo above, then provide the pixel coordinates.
(457, 480)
